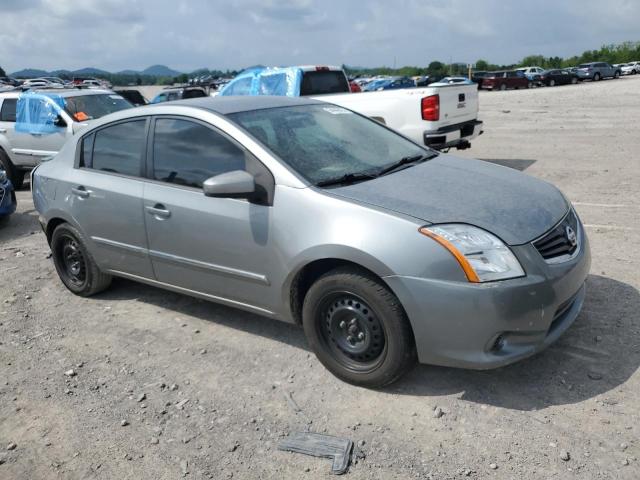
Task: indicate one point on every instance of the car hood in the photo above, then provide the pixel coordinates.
(510, 204)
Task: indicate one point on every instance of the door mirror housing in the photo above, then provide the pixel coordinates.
(235, 184)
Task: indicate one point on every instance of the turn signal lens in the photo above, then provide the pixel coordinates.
(472, 276)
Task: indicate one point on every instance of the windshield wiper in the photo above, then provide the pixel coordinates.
(346, 179)
(407, 161)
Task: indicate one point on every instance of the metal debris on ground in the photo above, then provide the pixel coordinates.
(317, 445)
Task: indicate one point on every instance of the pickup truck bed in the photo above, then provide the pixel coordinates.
(440, 116)
(401, 110)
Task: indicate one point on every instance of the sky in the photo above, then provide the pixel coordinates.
(189, 34)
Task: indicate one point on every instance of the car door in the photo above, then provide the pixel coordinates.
(37, 137)
(105, 193)
(215, 246)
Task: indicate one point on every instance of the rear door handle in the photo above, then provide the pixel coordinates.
(81, 192)
(158, 210)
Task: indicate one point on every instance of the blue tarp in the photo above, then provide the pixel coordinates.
(37, 112)
(280, 81)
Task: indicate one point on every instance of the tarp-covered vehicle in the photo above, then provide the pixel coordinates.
(35, 124)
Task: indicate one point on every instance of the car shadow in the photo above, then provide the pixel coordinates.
(515, 163)
(596, 355)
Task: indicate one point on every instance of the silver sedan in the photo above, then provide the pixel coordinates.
(385, 251)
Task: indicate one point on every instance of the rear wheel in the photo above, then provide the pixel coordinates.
(616, 75)
(552, 83)
(74, 264)
(530, 85)
(574, 80)
(15, 175)
(357, 328)
(503, 87)
(596, 77)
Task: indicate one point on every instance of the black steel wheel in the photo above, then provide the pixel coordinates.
(357, 328)
(74, 263)
(352, 330)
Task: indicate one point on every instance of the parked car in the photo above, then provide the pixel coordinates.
(442, 117)
(551, 78)
(597, 71)
(10, 81)
(452, 80)
(132, 95)
(630, 68)
(532, 73)
(395, 83)
(354, 87)
(477, 77)
(41, 83)
(278, 207)
(505, 79)
(8, 200)
(49, 117)
(170, 94)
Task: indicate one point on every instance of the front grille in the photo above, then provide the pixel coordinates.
(562, 241)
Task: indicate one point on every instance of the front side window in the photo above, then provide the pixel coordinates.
(325, 142)
(119, 148)
(187, 153)
(8, 111)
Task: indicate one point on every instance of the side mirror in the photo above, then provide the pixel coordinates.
(235, 184)
(59, 122)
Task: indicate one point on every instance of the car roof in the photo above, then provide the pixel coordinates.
(231, 104)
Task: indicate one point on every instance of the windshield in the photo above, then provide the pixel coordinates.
(326, 142)
(90, 107)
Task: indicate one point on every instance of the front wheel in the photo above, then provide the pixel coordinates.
(596, 77)
(74, 264)
(357, 328)
(574, 80)
(552, 83)
(616, 75)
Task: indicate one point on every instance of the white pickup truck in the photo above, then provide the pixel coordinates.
(440, 116)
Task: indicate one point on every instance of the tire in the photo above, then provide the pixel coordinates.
(75, 266)
(574, 80)
(596, 77)
(503, 87)
(357, 328)
(16, 176)
(530, 85)
(616, 75)
(552, 83)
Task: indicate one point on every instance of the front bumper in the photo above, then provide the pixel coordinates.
(458, 135)
(488, 325)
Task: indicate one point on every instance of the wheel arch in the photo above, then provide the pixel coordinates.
(310, 269)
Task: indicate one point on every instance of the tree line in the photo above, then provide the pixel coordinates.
(614, 53)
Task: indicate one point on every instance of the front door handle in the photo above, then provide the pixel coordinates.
(158, 210)
(81, 192)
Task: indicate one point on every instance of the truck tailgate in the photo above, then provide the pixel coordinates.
(458, 103)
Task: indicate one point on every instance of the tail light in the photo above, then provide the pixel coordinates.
(431, 108)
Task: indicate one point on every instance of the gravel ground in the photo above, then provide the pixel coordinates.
(140, 383)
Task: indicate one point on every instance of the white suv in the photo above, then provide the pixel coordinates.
(35, 124)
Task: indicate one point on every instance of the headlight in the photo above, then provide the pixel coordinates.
(482, 256)
(3, 176)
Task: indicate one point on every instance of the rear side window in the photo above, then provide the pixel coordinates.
(119, 148)
(8, 110)
(187, 153)
(323, 81)
(242, 86)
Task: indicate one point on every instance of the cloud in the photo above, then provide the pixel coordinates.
(121, 34)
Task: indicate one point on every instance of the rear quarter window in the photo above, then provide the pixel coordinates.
(8, 110)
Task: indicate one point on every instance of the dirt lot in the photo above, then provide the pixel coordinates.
(165, 386)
